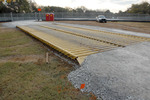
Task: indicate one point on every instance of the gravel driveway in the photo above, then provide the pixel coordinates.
(120, 74)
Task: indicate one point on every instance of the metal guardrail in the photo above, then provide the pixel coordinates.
(73, 16)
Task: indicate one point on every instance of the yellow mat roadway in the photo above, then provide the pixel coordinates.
(115, 38)
(70, 49)
(84, 36)
(108, 33)
(77, 45)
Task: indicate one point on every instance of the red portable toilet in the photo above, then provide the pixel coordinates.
(50, 17)
(47, 17)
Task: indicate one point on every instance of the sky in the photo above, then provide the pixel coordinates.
(112, 5)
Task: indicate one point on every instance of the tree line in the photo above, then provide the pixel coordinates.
(143, 8)
(19, 6)
(24, 6)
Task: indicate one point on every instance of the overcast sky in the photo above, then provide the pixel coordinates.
(112, 5)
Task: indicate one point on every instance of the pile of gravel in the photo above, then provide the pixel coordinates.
(120, 74)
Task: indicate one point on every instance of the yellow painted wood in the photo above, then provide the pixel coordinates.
(81, 35)
(47, 39)
(76, 50)
(123, 35)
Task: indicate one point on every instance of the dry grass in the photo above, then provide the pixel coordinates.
(24, 75)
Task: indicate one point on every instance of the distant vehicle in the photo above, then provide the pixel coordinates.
(101, 19)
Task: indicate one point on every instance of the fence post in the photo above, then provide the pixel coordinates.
(35, 17)
(17, 16)
(23, 16)
(11, 17)
(4, 17)
(62, 14)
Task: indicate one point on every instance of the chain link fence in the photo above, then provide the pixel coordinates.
(73, 16)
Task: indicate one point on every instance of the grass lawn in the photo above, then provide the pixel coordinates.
(24, 74)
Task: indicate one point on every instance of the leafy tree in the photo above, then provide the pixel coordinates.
(54, 9)
(79, 10)
(23, 6)
(33, 7)
(108, 12)
(143, 8)
(20, 6)
(4, 9)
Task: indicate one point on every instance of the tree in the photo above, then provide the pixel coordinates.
(17, 6)
(23, 6)
(81, 9)
(143, 8)
(54, 9)
(108, 12)
(4, 9)
(34, 8)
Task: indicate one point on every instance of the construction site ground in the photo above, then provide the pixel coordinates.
(115, 63)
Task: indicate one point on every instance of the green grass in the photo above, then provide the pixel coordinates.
(14, 42)
(30, 81)
(24, 50)
(33, 80)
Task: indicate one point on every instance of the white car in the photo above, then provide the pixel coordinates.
(101, 18)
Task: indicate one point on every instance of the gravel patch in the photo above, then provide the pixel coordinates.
(120, 74)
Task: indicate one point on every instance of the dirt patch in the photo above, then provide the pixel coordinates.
(129, 26)
(5, 29)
